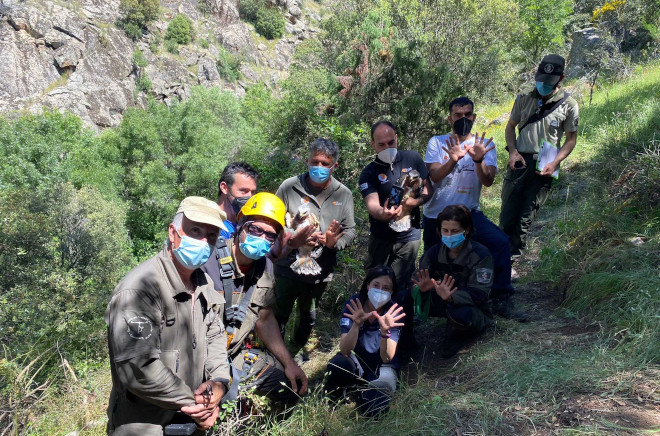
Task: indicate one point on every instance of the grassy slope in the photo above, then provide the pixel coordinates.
(589, 367)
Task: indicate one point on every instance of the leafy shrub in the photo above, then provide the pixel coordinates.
(136, 14)
(204, 43)
(180, 30)
(269, 23)
(228, 65)
(143, 83)
(247, 9)
(171, 46)
(138, 59)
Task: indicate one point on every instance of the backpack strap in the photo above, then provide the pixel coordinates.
(544, 112)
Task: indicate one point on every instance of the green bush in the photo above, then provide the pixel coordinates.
(248, 9)
(270, 23)
(138, 59)
(180, 30)
(143, 83)
(171, 46)
(228, 65)
(136, 14)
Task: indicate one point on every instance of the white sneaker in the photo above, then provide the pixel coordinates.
(514, 274)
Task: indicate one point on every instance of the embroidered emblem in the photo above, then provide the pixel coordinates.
(139, 327)
(345, 322)
(382, 178)
(364, 186)
(484, 275)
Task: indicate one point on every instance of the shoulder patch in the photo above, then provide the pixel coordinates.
(484, 275)
(364, 186)
(345, 322)
(139, 327)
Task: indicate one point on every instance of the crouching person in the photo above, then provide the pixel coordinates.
(243, 276)
(167, 343)
(366, 365)
(454, 280)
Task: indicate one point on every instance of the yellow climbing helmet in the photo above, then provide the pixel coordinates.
(264, 204)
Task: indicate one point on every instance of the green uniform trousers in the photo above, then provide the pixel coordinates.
(289, 290)
(523, 194)
(401, 256)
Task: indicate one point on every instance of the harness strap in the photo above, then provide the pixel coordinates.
(543, 112)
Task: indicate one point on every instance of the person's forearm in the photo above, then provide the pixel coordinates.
(438, 171)
(566, 149)
(387, 349)
(148, 378)
(349, 340)
(510, 137)
(217, 368)
(485, 175)
(269, 333)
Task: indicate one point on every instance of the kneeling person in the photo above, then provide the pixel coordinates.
(165, 333)
(370, 331)
(242, 273)
(459, 272)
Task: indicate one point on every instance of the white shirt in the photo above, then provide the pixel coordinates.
(461, 185)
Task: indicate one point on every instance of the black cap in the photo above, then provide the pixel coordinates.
(550, 69)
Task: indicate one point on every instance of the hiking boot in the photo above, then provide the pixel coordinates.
(453, 342)
(505, 308)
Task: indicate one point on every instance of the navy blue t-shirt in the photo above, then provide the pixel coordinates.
(379, 177)
(367, 347)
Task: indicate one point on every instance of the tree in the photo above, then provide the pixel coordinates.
(544, 21)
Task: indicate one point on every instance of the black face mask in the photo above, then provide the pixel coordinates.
(463, 126)
(238, 202)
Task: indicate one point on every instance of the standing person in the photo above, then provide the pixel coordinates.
(542, 114)
(165, 334)
(237, 184)
(370, 331)
(459, 164)
(332, 204)
(386, 246)
(242, 273)
(454, 280)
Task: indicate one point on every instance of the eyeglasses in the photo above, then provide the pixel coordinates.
(258, 231)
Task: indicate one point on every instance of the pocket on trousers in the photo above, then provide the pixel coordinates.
(515, 176)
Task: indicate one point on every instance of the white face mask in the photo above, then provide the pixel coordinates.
(387, 155)
(378, 297)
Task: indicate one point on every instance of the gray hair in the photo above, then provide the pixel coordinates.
(326, 147)
(177, 222)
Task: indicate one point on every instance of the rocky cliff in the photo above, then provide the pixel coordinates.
(69, 55)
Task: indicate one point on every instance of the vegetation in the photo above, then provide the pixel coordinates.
(80, 209)
(136, 14)
(268, 21)
(228, 65)
(180, 30)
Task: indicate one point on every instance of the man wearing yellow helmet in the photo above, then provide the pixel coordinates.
(242, 273)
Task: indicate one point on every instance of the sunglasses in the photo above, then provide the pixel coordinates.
(259, 232)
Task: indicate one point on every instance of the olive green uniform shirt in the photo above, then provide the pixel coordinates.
(550, 128)
(164, 342)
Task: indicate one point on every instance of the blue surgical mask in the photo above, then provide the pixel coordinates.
(192, 253)
(378, 297)
(453, 241)
(254, 247)
(319, 174)
(544, 89)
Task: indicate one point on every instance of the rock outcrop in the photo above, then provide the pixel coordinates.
(75, 59)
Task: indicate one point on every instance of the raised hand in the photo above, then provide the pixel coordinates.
(357, 313)
(445, 289)
(453, 148)
(332, 235)
(424, 280)
(391, 318)
(480, 147)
